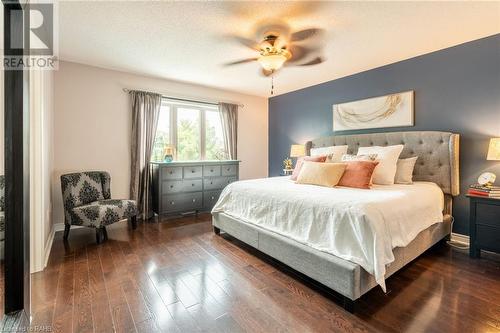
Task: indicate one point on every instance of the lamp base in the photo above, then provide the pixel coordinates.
(168, 158)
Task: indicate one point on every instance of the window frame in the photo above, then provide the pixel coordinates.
(173, 135)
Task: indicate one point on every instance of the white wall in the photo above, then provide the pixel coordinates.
(41, 164)
(93, 120)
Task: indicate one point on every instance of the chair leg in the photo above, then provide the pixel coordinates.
(66, 231)
(133, 221)
(216, 230)
(105, 233)
(99, 235)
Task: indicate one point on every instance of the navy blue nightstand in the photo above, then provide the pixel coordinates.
(484, 225)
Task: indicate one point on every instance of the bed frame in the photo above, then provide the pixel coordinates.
(437, 162)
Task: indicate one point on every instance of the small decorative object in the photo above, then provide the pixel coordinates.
(393, 110)
(168, 155)
(287, 164)
(486, 179)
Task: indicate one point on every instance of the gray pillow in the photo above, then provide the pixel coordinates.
(404, 171)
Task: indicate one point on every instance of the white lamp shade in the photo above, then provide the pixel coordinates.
(272, 62)
(494, 150)
(297, 150)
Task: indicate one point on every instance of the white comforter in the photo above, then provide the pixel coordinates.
(362, 226)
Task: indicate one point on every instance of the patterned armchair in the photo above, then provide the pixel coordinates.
(87, 202)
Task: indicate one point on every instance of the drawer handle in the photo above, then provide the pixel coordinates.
(194, 200)
(172, 203)
(228, 169)
(170, 172)
(192, 171)
(171, 186)
(211, 183)
(211, 170)
(192, 184)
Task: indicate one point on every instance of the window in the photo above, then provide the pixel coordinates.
(193, 129)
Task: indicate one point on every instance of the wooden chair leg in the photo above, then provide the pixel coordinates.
(105, 233)
(133, 222)
(66, 231)
(99, 235)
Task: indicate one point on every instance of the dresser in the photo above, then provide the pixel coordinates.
(484, 225)
(182, 187)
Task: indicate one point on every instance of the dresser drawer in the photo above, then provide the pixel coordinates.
(229, 170)
(192, 172)
(182, 202)
(488, 214)
(217, 182)
(210, 198)
(192, 185)
(171, 173)
(211, 170)
(172, 186)
(488, 237)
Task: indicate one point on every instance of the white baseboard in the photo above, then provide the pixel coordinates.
(60, 227)
(48, 246)
(459, 238)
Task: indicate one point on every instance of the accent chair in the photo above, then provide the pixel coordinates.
(87, 202)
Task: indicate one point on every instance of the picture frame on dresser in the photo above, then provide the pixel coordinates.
(190, 187)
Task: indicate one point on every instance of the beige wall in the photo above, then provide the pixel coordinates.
(92, 124)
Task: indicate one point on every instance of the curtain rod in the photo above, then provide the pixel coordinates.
(185, 99)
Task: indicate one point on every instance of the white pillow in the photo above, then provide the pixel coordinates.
(404, 172)
(333, 153)
(387, 157)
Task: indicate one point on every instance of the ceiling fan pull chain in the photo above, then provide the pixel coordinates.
(272, 83)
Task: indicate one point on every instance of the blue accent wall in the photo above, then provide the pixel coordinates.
(456, 89)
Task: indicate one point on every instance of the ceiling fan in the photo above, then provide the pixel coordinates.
(277, 47)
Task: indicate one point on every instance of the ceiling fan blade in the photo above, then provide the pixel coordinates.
(247, 42)
(305, 34)
(315, 61)
(298, 53)
(237, 62)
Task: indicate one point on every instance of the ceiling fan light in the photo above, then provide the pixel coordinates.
(272, 62)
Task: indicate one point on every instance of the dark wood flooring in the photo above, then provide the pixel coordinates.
(177, 276)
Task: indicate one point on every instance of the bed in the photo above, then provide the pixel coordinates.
(349, 240)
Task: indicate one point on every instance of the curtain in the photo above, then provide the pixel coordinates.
(229, 116)
(145, 113)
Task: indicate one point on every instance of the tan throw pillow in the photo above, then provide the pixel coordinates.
(333, 153)
(404, 171)
(322, 174)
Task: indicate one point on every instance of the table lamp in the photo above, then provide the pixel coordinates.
(297, 150)
(488, 178)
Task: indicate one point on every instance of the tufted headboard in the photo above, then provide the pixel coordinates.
(437, 153)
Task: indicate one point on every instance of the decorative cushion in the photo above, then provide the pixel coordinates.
(103, 212)
(404, 171)
(322, 174)
(358, 174)
(301, 160)
(388, 157)
(333, 153)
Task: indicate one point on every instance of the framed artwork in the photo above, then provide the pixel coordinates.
(394, 110)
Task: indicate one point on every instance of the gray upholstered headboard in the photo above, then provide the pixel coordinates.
(437, 153)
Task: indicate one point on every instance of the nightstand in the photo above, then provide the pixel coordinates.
(484, 225)
(286, 172)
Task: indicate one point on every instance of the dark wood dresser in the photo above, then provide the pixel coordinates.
(484, 225)
(182, 187)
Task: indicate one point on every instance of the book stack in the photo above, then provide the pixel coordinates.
(484, 191)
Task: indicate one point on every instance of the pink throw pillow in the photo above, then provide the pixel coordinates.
(301, 160)
(358, 174)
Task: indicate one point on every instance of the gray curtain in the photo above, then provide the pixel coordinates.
(145, 113)
(229, 116)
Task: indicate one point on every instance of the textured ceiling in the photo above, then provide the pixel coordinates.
(188, 41)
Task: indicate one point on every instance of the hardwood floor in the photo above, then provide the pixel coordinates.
(177, 276)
